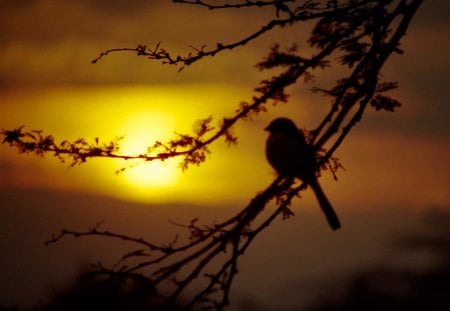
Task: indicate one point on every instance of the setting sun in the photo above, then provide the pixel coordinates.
(163, 155)
(143, 130)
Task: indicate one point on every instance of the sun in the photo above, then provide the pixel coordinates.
(141, 131)
(152, 174)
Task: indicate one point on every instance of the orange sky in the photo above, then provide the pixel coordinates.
(396, 163)
(48, 83)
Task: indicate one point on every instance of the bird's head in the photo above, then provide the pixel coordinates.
(282, 125)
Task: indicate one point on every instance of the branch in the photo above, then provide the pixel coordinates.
(303, 13)
(95, 232)
(365, 80)
(246, 4)
(356, 36)
(192, 148)
(235, 232)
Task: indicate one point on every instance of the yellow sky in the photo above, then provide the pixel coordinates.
(48, 83)
(141, 115)
(396, 163)
(381, 166)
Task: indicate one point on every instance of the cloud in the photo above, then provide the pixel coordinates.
(52, 42)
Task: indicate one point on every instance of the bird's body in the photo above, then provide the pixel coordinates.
(291, 156)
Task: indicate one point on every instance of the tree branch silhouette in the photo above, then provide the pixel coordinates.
(231, 238)
(307, 11)
(355, 36)
(247, 3)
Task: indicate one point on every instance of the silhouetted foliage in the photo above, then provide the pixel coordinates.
(94, 291)
(355, 36)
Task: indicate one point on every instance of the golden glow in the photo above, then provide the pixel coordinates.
(141, 115)
(231, 174)
(143, 130)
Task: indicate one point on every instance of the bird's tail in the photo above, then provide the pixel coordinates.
(325, 205)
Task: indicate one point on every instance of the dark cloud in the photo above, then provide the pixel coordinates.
(48, 31)
(6, 5)
(434, 12)
(52, 42)
(121, 7)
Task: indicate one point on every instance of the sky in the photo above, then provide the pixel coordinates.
(47, 82)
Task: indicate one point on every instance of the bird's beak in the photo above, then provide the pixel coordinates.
(266, 128)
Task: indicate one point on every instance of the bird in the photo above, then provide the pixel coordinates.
(292, 157)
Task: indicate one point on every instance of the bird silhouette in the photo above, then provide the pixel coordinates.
(291, 156)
